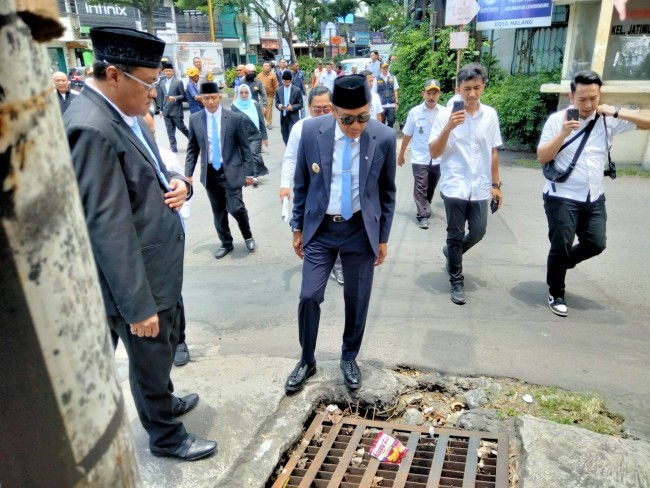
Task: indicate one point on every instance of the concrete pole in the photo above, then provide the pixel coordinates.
(63, 421)
(602, 36)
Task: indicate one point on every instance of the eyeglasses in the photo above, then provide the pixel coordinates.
(349, 119)
(148, 86)
(321, 110)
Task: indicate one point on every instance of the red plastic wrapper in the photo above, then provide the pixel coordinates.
(388, 449)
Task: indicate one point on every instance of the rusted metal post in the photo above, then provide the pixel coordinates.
(62, 421)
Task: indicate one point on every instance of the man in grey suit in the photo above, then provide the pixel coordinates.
(226, 164)
(288, 100)
(131, 204)
(344, 200)
(171, 95)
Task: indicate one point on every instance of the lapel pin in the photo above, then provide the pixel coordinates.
(315, 168)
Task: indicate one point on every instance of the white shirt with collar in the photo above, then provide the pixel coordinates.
(290, 157)
(586, 179)
(375, 103)
(334, 207)
(418, 126)
(466, 163)
(208, 120)
(168, 84)
(327, 79)
(127, 118)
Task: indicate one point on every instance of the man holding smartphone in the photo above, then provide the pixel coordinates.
(576, 205)
(465, 138)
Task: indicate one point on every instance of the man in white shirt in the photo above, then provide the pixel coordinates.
(376, 110)
(466, 141)
(375, 64)
(328, 77)
(426, 171)
(576, 206)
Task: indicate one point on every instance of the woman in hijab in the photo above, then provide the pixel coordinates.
(256, 127)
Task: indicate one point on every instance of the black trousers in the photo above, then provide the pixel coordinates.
(389, 116)
(172, 123)
(286, 124)
(150, 364)
(224, 200)
(425, 180)
(350, 240)
(459, 212)
(566, 220)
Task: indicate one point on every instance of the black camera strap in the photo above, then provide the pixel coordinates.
(585, 132)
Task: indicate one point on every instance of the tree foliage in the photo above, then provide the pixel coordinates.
(417, 62)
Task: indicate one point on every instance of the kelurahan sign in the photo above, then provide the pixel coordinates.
(513, 14)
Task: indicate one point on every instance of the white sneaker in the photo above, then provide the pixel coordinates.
(558, 306)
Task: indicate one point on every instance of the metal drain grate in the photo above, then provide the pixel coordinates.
(449, 459)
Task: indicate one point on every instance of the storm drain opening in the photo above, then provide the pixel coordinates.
(334, 453)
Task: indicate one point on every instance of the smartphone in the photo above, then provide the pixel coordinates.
(572, 114)
(458, 105)
(494, 204)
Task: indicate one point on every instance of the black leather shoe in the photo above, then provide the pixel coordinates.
(351, 374)
(298, 377)
(457, 293)
(223, 250)
(182, 355)
(185, 404)
(250, 244)
(191, 449)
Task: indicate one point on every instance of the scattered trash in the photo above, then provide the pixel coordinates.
(377, 481)
(431, 431)
(302, 463)
(457, 407)
(527, 398)
(387, 448)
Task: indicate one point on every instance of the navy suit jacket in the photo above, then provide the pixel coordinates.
(236, 155)
(313, 178)
(295, 100)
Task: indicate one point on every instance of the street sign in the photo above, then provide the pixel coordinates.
(376, 38)
(461, 12)
(459, 40)
(362, 38)
(336, 40)
(506, 14)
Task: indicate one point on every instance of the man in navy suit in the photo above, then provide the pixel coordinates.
(170, 97)
(344, 200)
(288, 100)
(224, 163)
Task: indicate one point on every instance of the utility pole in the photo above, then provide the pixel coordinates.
(432, 25)
(210, 20)
(65, 424)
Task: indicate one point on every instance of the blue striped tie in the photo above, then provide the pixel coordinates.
(346, 179)
(137, 130)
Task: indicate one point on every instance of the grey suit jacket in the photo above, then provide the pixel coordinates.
(313, 178)
(236, 155)
(138, 241)
(176, 90)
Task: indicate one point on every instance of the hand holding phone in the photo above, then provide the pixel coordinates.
(572, 114)
(494, 204)
(458, 106)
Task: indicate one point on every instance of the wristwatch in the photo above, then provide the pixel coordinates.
(616, 111)
(496, 185)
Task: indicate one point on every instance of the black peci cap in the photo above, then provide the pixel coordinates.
(209, 87)
(351, 92)
(126, 46)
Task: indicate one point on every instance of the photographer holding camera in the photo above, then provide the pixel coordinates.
(574, 149)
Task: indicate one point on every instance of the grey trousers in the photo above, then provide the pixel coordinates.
(425, 180)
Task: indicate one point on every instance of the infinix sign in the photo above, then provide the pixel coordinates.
(106, 10)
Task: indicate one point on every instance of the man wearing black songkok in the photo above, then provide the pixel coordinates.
(131, 203)
(344, 200)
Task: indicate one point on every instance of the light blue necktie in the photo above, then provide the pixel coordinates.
(286, 99)
(216, 145)
(137, 130)
(346, 179)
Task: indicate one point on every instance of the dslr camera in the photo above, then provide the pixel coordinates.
(611, 169)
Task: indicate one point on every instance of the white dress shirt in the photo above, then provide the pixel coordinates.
(334, 207)
(418, 126)
(586, 179)
(375, 103)
(327, 79)
(291, 154)
(466, 163)
(208, 120)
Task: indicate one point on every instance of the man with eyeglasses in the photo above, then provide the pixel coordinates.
(171, 95)
(131, 203)
(241, 75)
(344, 201)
